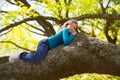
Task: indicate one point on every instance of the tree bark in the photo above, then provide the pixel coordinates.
(4, 59)
(84, 55)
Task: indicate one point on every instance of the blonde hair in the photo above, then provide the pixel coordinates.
(68, 22)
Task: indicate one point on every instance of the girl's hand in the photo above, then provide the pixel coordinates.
(74, 32)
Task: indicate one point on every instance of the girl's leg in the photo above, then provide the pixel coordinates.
(39, 55)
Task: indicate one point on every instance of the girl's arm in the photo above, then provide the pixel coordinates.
(67, 36)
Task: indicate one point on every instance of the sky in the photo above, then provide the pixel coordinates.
(6, 6)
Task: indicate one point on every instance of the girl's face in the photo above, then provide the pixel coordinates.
(72, 27)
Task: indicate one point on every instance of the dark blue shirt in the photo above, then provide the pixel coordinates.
(62, 37)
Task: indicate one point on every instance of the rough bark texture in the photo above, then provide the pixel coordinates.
(4, 59)
(85, 54)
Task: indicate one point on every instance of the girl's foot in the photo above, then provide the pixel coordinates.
(15, 56)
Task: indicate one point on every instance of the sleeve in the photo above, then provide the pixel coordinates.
(67, 36)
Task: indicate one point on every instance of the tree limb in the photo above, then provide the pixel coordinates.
(100, 16)
(39, 18)
(11, 2)
(42, 22)
(102, 7)
(107, 4)
(67, 9)
(25, 3)
(93, 16)
(17, 45)
(106, 29)
(36, 32)
(84, 55)
(3, 11)
(36, 28)
(6, 32)
(24, 21)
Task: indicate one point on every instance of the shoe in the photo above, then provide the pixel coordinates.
(15, 56)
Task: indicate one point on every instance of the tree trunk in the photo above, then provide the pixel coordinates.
(84, 55)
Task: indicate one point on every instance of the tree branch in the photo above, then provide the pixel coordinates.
(17, 45)
(42, 22)
(84, 55)
(6, 32)
(15, 24)
(67, 9)
(102, 7)
(25, 3)
(107, 4)
(106, 29)
(40, 18)
(36, 28)
(101, 16)
(3, 11)
(36, 32)
(11, 2)
(25, 20)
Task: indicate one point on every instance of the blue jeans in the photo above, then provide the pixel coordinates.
(39, 55)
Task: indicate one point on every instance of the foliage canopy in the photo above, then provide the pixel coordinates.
(25, 22)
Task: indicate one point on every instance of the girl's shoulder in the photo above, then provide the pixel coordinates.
(65, 28)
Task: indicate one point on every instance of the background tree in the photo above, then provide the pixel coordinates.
(30, 18)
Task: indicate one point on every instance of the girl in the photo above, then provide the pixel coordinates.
(64, 36)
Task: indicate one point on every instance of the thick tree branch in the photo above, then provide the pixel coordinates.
(40, 18)
(106, 31)
(4, 59)
(84, 55)
(49, 26)
(15, 24)
(93, 16)
(49, 30)
(24, 21)
(101, 16)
